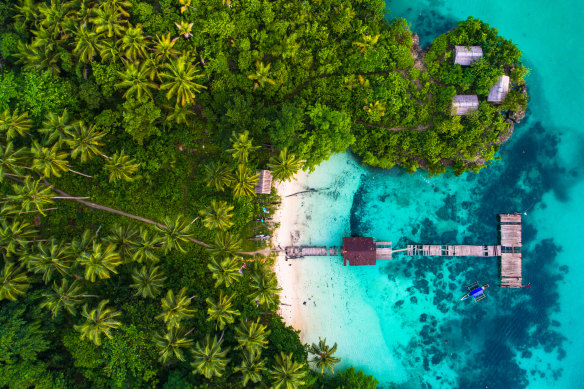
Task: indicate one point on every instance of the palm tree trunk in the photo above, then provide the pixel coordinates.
(76, 172)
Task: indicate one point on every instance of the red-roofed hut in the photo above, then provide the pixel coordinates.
(358, 251)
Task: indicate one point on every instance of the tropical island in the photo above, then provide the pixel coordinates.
(134, 247)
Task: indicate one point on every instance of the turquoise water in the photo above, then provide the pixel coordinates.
(401, 320)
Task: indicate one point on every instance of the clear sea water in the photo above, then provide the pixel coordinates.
(402, 319)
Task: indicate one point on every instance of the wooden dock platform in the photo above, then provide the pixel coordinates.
(511, 260)
(383, 250)
(434, 250)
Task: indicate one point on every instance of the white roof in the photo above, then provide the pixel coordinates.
(498, 92)
(463, 104)
(464, 56)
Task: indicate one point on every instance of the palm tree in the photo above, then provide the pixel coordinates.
(323, 356)
(108, 21)
(225, 244)
(98, 322)
(287, 373)
(221, 311)
(13, 281)
(225, 271)
(184, 29)
(14, 123)
(109, 51)
(164, 48)
(133, 43)
(179, 114)
(175, 308)
(262, 75)
(264, 287)
(118, 5)
(209, 360)
(146, 247)
(217, 215)
(175, 233)
(48, 161)
(245, 181)
(80, 246)
(64, 296)
(48, 259)
(86, 43)
(252, 336)
(121, 167)
(252, 366)
(55, 127)
(32, 194)
(15, 236)
(152, 68)
(180, 82)
(11, 161)
(27, 11)
(284, 166)
(38, 58)
(148, 281)
(84, 141)
(135, 78)
(99, 263)
(218, 175)
(367, 42)
(242, 146)
(171, 344)
(55, 17)
(124, 238)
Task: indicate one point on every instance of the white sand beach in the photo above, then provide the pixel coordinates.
(286, 235)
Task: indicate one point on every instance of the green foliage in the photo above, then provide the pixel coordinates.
(139, 118)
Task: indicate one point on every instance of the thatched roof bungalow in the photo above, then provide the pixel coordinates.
(464, 56)
(498, 92)
(463, 104)
(264, 184)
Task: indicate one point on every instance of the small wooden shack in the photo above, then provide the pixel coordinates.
(463, 104)
(358, 251)
(464, 55)
(264, 184)
(499, 91)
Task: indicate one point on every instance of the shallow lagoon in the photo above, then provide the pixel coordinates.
(402, 320)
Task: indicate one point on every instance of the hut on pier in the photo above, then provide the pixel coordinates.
(264, 184)
(499, 91)
(358, 251)
(463, 104)
(465, 55)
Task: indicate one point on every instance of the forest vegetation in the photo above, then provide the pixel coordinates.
(131, 136)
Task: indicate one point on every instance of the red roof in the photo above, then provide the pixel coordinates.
(358, 251)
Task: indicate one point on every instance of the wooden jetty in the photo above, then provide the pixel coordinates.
(363, 251)
(435, 250)
(511, 261)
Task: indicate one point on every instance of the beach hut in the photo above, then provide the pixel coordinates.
(463, 104)
(498, 92)
(264, 184)
(358, 251)
(464, 55)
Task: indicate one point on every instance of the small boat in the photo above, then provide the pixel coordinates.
(475, 291)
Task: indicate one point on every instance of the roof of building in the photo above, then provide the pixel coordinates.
(498, 92)
(358, 251)
(264, 184)
(462, 104)
(464, 55)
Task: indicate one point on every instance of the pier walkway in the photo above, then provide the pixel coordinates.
(359, 251)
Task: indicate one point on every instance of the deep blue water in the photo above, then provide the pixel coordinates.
(402, 320)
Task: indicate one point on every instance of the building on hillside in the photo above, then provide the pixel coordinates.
(264, 184)
(358, 251)
(463, 104)
(498, 92)
(464, 55)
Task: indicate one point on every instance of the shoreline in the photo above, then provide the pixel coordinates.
(287, 234)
